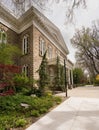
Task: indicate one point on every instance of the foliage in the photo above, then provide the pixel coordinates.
(6, 79)
(48, 93)
(43, 110)
(43, 75)
(96, 82)
(12, 114)
(86, 41)
(78, 76)
(21, 81)
(59, 78)
(62, 78)
(8, 92)
(7, 53)
(58, 100)
(35, 113)
(20, 123)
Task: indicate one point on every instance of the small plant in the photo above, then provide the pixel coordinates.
(58, 100)
(20, 123)
(48, 93)
(43, 110)
(20, 81)
(35, 113)
(11, 109)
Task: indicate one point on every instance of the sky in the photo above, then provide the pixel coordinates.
(83, 17)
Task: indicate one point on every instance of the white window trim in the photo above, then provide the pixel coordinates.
(25, 45)
(25, 70)
(42, 46)
(50, 52)
(2, 32)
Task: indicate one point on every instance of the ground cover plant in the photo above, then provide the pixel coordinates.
(14, 115)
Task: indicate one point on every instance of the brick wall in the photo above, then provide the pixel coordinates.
(12, 37)
(36, 57)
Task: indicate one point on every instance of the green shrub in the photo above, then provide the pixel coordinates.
(43, 110)
(20, 81)
(96, 82)
(11, 109)
(48, 93)
(35, 113)
(20, 123)
(58, 100)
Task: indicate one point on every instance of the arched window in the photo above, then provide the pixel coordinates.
(25, 44)
(50, 52)
(25, 70)
(3, 36)
(42, 46)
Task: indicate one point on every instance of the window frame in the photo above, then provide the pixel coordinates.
(42, 46)
(25, 70)
(50, 51)
(3, 34)
(25, 44)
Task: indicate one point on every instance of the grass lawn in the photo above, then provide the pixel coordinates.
(14, 115)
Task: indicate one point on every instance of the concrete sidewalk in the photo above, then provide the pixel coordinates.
(89, 92)
(73, 114)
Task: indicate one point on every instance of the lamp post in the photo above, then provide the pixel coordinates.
(65, 77)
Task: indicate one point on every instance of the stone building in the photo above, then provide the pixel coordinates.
(33, 33)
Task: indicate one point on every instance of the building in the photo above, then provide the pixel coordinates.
(33, 33)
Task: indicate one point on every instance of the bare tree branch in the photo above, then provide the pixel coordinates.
(87, 42)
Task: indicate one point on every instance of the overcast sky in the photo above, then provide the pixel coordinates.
(82, 18)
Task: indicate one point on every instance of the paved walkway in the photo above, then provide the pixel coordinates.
(76, 113)
(88, 91)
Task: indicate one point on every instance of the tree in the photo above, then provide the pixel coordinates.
(59, 81)
(86, 41)
(62, 77)
(8, 53)
(78, 76)
(43, 75)
(71, 5)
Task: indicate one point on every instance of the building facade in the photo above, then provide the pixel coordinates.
(33, 33)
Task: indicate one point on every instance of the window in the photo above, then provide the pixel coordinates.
(42, 47)
(3, 36)
(25, 44)
(50, 51)
(25, 70)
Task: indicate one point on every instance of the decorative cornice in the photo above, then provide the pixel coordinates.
(26, 20)
(47, 36)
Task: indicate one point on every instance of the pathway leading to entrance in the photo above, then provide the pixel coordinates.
(76, 113)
